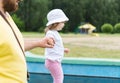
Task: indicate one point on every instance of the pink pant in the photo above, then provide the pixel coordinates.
(55, 69)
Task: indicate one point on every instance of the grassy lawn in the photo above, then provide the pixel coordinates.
(104, 46)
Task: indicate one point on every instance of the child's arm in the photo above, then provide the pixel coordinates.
(66, 50)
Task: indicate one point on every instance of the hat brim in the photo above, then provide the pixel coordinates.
(56, 21)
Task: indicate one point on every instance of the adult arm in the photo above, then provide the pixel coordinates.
(44, 42)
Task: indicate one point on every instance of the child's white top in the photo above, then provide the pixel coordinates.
(57, 52)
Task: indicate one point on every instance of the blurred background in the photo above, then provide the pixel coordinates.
(32, 14)
(92, 31)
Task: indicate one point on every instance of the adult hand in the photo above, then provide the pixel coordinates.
(47, 42)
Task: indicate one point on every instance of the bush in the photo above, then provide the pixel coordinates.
(107, 28)
(117, 27)
(18, 22)
(41, 29)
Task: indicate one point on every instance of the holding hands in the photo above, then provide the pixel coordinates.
(47, 42)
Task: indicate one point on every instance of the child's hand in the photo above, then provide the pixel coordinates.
(66, 50)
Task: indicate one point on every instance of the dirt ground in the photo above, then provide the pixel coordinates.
(99, 42)
(92, 41)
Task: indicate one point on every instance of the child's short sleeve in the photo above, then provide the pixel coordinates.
(50, 34)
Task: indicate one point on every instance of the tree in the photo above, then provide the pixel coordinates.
(96, 12)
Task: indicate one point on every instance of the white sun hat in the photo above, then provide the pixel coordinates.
(56, 15)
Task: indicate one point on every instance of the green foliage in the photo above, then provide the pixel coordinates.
(96, 12)
(18, 22)
(33, 12)
(107, 28)
(117, 27)
(41, 30)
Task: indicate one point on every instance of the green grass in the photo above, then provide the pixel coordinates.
(32, 34)
(92, 52)
(80, 51)
(89, 52)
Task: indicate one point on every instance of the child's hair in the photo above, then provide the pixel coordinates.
(51, 27)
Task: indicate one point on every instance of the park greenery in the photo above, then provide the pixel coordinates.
(103, 14)
(32, 14)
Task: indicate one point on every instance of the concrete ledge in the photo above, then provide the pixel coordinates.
(92, 61)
